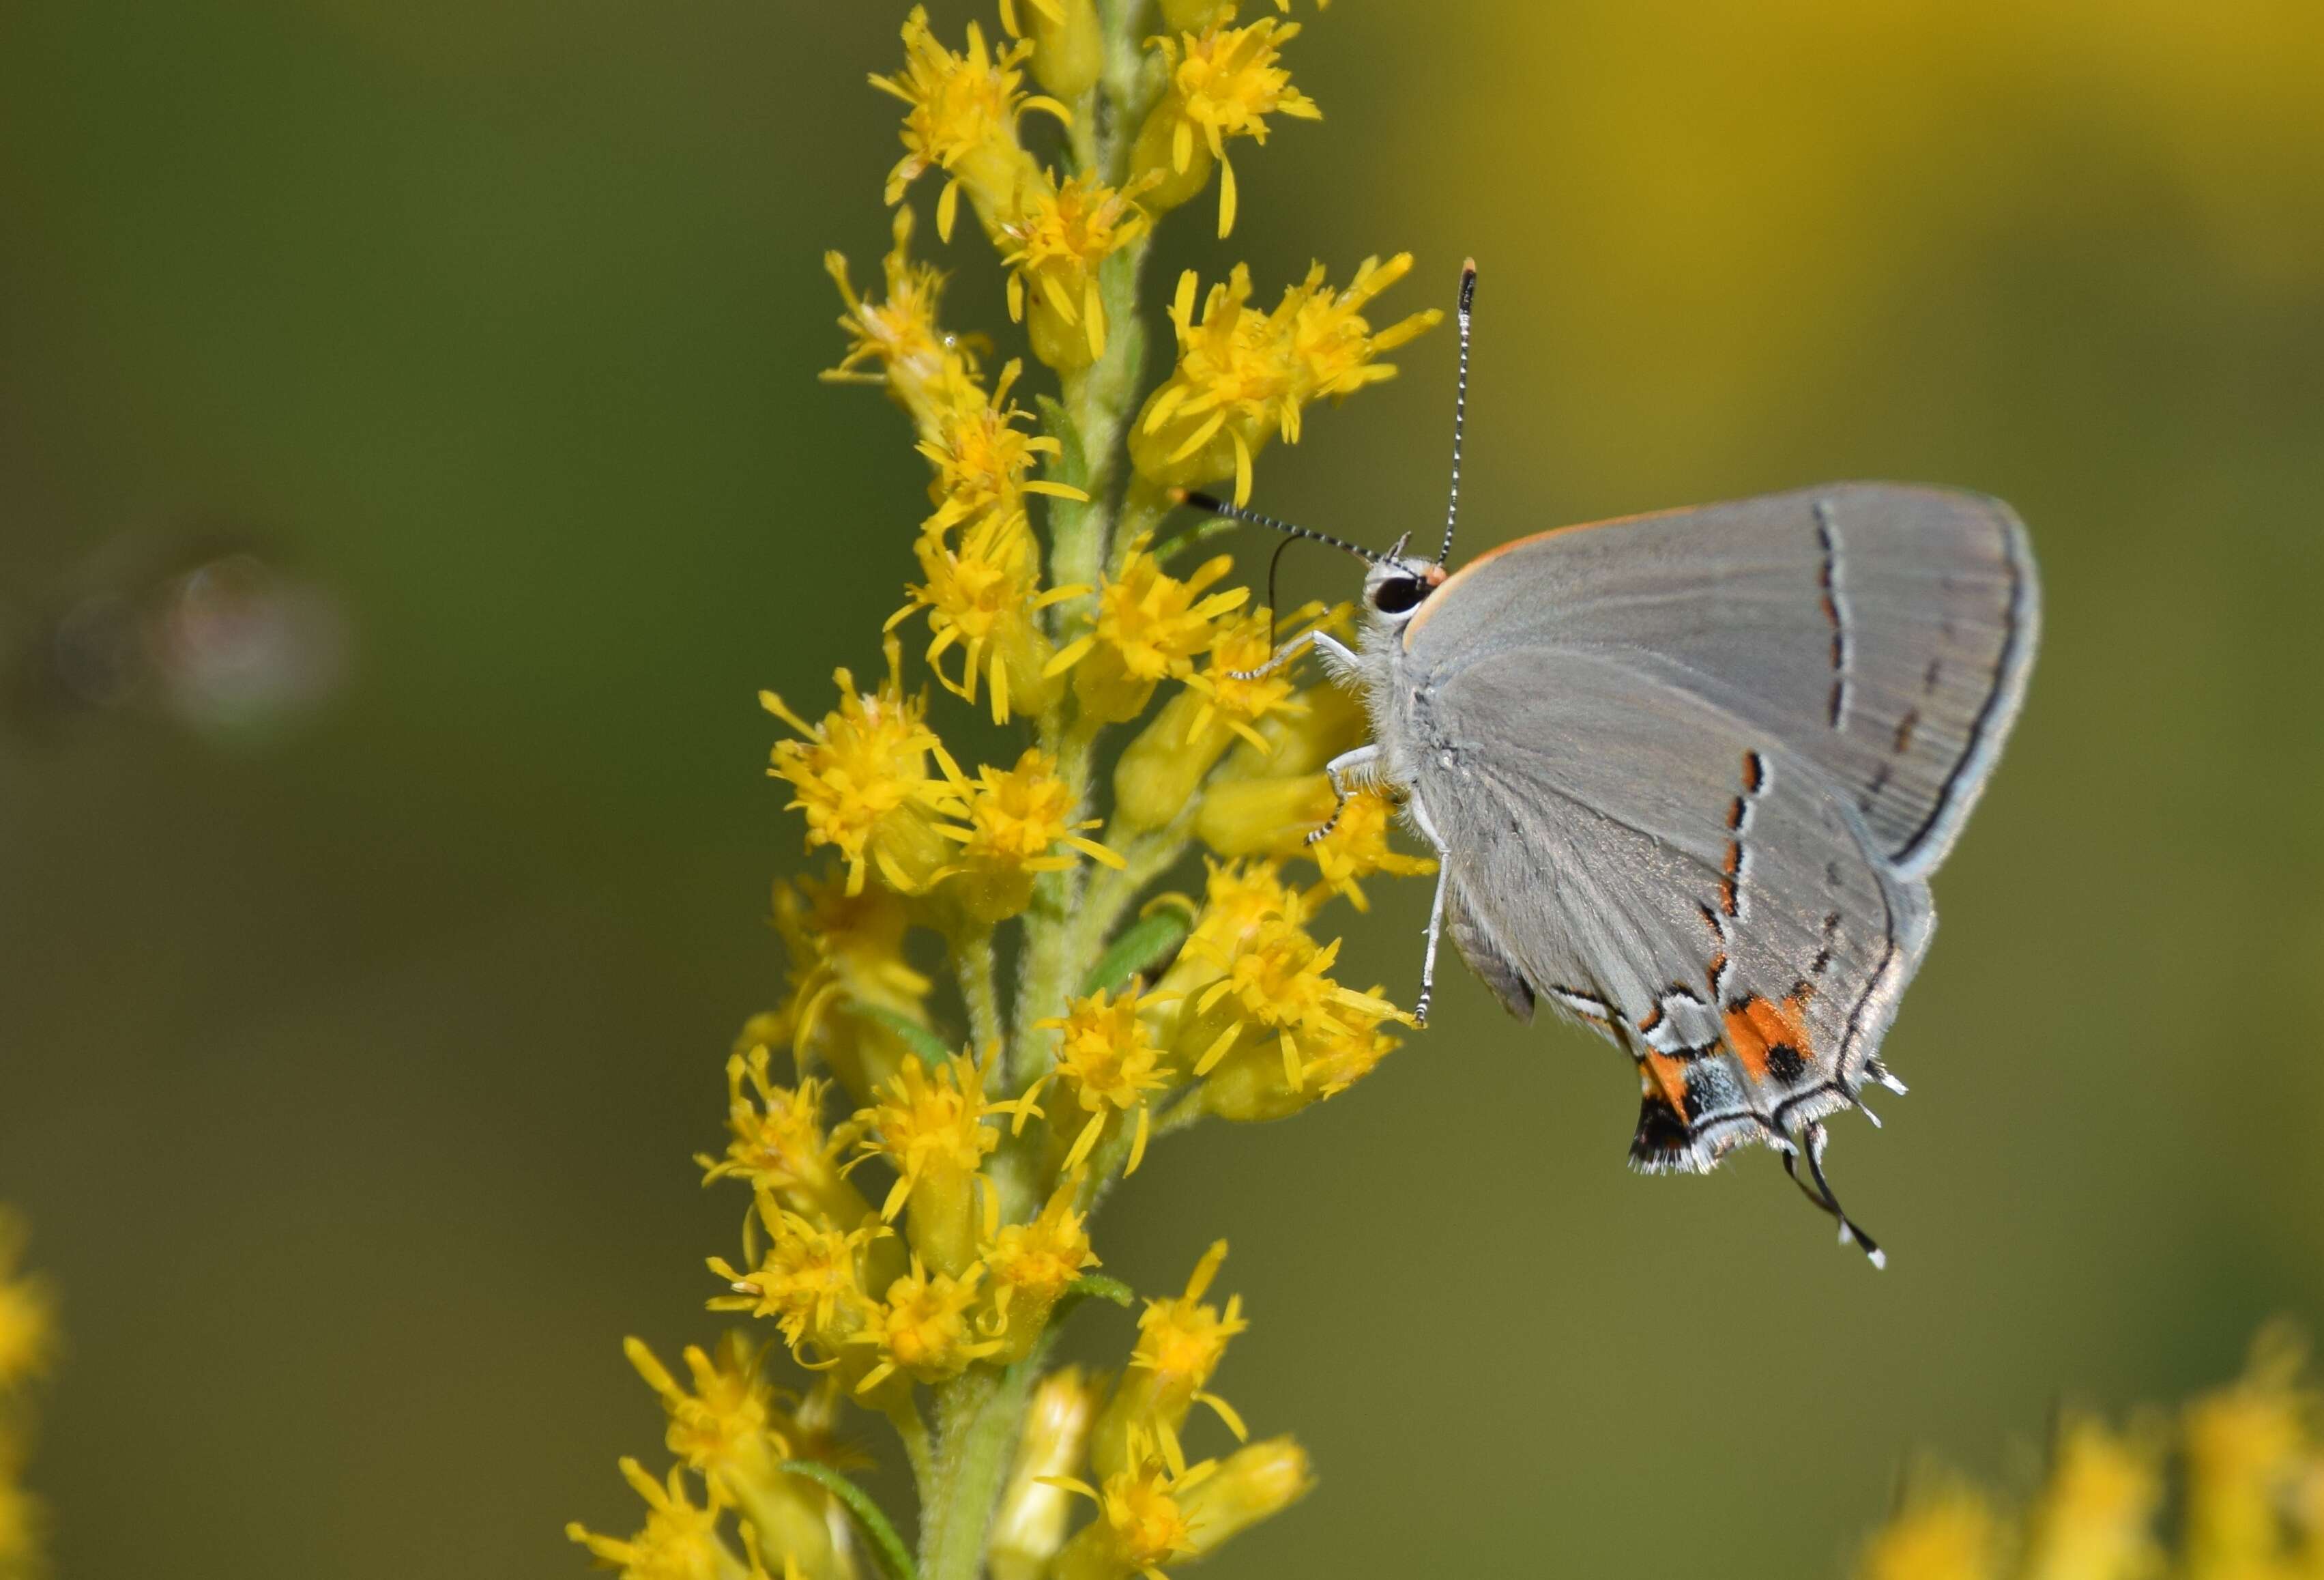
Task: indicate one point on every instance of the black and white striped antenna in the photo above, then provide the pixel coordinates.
(1460, 405)
(1220, 507)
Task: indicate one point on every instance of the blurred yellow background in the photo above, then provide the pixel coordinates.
(351, 1067)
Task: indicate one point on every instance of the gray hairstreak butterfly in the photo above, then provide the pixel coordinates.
(1687, 775)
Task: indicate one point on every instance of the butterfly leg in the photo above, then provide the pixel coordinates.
(1821, 1193)
(1336, 653)
(1357, 767)
(1435, 909)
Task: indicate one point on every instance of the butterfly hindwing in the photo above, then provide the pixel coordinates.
(1692, 890)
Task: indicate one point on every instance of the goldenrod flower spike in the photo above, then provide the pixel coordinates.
(1047, 608)
(960, 118)
(1224, 82)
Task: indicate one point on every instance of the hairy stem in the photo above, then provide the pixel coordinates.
(972, 960)
(979, 1415)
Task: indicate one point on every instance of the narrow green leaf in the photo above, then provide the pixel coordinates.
(918, 1038)
(893, 1555)
(1145, 944)
(1192, 537)
(1103, 1288)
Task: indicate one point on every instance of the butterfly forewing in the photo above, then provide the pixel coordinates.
(1883, 632)
(1688, 771)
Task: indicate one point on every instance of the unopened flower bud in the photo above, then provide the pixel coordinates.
(1161, 771)
(1068, 44)
(1251, 1484)
(1264, 816)
(1030, 1525)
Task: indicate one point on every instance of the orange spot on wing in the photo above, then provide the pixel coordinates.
(1755, 1025)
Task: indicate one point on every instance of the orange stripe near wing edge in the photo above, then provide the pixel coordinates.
(1666, 1077)
(1489, 555)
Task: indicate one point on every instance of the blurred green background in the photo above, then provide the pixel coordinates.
(351, 1069)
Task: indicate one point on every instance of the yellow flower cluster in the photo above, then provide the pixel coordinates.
(27, 1344)
(2242, 1469)
(1244, 376)
(923, 1151)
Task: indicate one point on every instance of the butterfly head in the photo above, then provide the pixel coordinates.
(1397, 587)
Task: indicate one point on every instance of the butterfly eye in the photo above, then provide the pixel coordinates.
(1397, 594)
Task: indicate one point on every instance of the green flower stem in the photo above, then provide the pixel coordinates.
(971, 959)
(979, 1415)
(1053, 925)
(1131, 80)
(1099, 399)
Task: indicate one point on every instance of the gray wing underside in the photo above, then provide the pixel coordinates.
(1659, 817)
(1750, 970)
